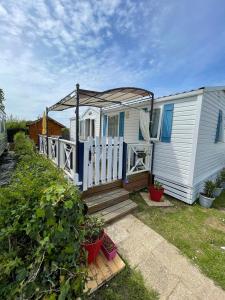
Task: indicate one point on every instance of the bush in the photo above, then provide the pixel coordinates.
(23, 145)
(41, 231)
(12, 123)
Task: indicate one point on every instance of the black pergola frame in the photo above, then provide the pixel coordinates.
(140, 93)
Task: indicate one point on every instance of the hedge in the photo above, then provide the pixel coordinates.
(41, 231)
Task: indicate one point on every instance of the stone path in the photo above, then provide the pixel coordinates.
(160, 263)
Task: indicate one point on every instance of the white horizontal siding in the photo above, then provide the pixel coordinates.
(210, 156)
(172, 160)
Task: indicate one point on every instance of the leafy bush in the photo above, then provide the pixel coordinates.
(12, 123)
(157, 185)
(42, 231)
(23, 145)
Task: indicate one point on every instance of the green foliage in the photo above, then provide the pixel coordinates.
(209, 189)
(93, 228)
(222, 175)
(218, 181)
(158, 185)
(42, 231)
(66, 133)
(2, 99)
(23, 145)
(16, 123)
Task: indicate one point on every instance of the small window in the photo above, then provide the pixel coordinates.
(155, 123)
(113, 126)
(219, 128)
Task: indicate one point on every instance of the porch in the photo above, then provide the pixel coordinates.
(106, 169)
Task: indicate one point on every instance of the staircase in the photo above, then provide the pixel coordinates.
(110, 204)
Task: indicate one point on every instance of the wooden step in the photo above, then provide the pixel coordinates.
(102, 201)
(116, 211)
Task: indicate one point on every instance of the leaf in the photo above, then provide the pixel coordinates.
(64, 290)
(69, 204)
(40, 213)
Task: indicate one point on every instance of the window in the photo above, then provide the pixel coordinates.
(113, 125)
(82, 129)
(155, 123)
(219, 128)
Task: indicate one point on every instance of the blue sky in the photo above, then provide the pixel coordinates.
(46, 47)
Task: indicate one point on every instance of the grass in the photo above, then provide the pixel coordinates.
(127, 285)
(198, 232)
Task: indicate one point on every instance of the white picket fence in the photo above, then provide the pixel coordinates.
(103, 161)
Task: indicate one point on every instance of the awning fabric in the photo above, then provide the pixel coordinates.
(100, 99)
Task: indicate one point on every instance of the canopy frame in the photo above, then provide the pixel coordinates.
(81, 97)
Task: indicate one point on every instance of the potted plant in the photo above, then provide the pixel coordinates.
(94, 233)
(207, 197)
(156, 191)
(218, 188)
(108, 247)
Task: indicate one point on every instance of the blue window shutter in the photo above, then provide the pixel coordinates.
(141, 138)
(167, 122)
(121, 123)
(218, 128)
(105, 119)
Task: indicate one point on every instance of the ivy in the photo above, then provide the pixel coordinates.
(41, 231)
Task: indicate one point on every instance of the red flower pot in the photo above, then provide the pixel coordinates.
(93, 249)
(155, 194)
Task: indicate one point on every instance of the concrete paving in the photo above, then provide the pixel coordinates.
(161, 264)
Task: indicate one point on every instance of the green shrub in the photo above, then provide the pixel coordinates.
(12, 123)
(209, 188)
(41, 231)
(23, 144)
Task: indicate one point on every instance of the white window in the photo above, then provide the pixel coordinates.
(113, 126)
(156, 123)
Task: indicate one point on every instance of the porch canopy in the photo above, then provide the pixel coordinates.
(100, 99)
(80, 97)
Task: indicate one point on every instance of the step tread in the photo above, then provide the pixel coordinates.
(116, 211)
(93, 201)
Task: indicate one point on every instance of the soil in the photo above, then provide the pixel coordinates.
(7, 165)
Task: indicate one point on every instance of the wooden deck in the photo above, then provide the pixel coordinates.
(102, 271)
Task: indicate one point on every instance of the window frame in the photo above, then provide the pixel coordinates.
(159, 125)
(109, 116)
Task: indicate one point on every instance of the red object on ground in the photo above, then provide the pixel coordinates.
(108, 247)
(93, 249)
(155, 194)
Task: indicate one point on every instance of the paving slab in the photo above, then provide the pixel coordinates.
(161, 264)
(163, 203)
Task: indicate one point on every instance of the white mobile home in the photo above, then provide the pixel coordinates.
(188, 137)
(89, 124)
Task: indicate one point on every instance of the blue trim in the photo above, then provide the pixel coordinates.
(121, 123)
(167, 121)
(105, 121)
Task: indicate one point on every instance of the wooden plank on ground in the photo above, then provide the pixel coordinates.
(101, 271)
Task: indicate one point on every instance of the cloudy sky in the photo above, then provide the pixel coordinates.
(47, 46)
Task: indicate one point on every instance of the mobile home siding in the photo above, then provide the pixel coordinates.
(210, 156)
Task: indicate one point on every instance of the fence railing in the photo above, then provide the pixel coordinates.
(61, 152)
(139, 158)
(99, 161)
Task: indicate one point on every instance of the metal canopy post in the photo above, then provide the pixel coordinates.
(47, 130)
(77, 127)
(150, 132)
